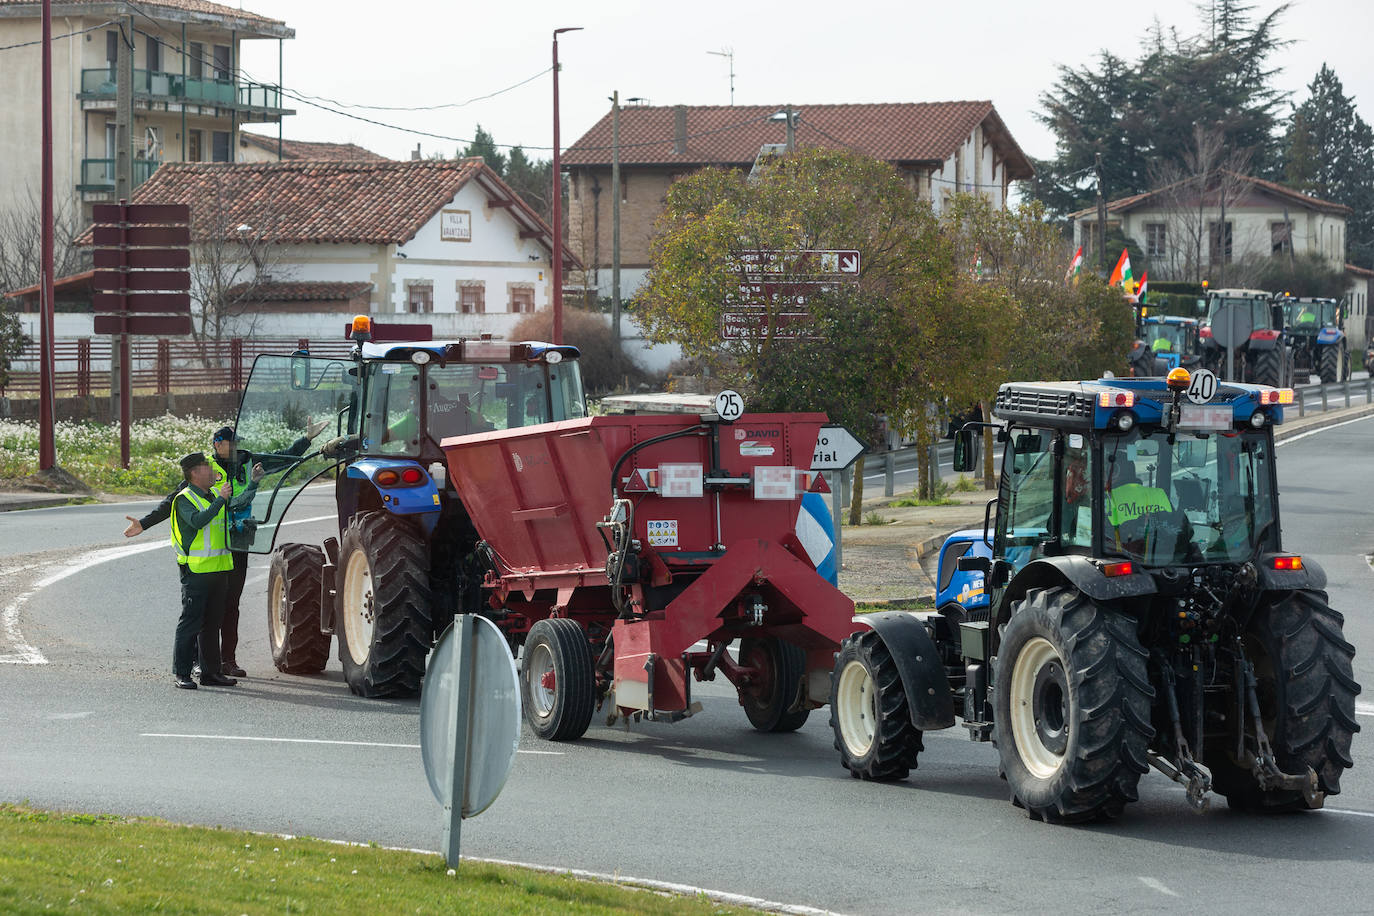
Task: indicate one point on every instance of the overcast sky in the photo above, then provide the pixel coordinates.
(426, 53)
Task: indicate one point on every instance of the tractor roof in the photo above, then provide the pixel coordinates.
(1095, 404)
(463, 350)
(1168, 319)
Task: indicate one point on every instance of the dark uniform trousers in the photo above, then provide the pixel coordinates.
(202, 612)
(229, 626)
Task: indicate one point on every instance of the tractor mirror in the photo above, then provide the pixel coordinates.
(965, 449)
(300, 372)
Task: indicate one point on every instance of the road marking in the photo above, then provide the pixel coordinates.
(69, 715)
(1351, 813)
(1289, 439)
(410, 747)
(1155, 884)
(1364, 709)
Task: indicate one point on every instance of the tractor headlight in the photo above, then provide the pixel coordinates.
(1258, 419)
(420, 357)
(1124, 421)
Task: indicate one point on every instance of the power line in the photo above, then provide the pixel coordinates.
(39, 41)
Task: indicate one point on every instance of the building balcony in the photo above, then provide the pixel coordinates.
(171, 91)
(98, 175)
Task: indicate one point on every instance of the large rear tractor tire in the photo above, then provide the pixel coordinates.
(384, 626)
(293, 610)
(1307, 691)
(1268, 368)
(870, 713)
(769, 699)
(1072, 707)
(1333, 365)
(557, 680)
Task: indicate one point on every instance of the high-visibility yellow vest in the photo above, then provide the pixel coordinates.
(209, 549)
(239, 482)
(1132, 500)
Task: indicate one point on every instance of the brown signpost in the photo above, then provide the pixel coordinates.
(142, 282)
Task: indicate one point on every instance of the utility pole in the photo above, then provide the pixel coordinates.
(557, 201)
(791, 130)
(615, 214)
(1101, 220)
(47, 445)
(124, 169)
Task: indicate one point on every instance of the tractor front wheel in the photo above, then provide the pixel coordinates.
(293, 610)
(1333, 365)
(870, 713)
(384, 606)
(557, 681)
(1072, 707)
(1307, 689)
(769, 698)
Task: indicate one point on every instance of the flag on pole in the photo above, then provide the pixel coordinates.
(976, 271)
(1075, 266)
(1122, 272)
(1140, 290)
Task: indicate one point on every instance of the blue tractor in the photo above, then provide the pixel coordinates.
(1316, 329)
(1127, 605)
(1164, 342)
(408, 556)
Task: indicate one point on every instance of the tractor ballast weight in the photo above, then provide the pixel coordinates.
(650, 534)
(1141, 612)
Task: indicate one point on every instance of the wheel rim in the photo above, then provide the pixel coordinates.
(358, 610)
(542, 680)
(1040, 707)
(856, 708)
(277, 612)
(764, 684)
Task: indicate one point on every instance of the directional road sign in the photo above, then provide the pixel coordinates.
(797, 262)
(836, 449)
(752, 324)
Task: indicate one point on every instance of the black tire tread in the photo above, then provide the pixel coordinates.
(402, 629)
(789, 666)
(1329, 364)
(304, 648)
(1111, 731)
(575, 679)
(1268, 368)
(897, 744)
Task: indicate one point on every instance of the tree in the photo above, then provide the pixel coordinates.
(231, 262)
(484, 145)
(1328, 152)
(1206, 174)
(21, 244)
(531, 179)
(12, 340)
(604, 363)
(1136, 114)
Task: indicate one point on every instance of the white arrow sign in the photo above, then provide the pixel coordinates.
(836, 449)
(849, 264)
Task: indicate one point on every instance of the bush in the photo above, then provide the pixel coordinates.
(605, 367)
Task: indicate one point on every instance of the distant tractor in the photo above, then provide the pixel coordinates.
(1316, 328)
(1127, 604)
(1262, 356)
(1165, 342)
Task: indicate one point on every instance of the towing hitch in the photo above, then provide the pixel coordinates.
(1263, 765)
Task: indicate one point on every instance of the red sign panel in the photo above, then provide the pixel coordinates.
(155, 258)
(141, 213)
(114, 236)
(398, 333)
(151, 325)
(142, 302)
(752, 325)
(162, 280)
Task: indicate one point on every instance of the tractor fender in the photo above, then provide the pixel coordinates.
(1311, 576)
(1328, 336)
(1259, 343)
(1080, 573)
(918, 665)
(410, 499)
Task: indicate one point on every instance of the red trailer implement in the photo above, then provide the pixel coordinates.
(630, 552)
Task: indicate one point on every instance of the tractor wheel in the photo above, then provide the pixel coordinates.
(557, 682)
(1332, 365)
(1072, 707)
(768, 700)
(384, 606)
(1268, 368)
(1307, 690)
(869, 712)
(293, 610)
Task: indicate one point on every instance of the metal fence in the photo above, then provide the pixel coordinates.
(81, 366)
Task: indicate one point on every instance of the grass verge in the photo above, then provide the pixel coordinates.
(101, 863)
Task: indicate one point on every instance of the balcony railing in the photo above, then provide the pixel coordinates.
(99, 174)
(156, 83)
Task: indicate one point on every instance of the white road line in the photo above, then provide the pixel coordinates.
(1351, 813)
(1284, 442)
(1364, 709)
(410, 747)
(1155, 884)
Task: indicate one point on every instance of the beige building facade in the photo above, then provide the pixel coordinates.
(190, 98)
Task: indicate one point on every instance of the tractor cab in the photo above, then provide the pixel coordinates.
(1316, 328)
(1164, 342)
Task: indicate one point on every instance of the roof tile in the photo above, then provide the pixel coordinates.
(311, 149)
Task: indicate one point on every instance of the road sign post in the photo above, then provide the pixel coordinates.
(136, 272)
(469, 722)
(836, 451)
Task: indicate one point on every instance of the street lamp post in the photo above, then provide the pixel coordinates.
(557, 201)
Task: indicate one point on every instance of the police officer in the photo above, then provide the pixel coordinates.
(200, 536)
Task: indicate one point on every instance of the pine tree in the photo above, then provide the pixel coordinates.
(484, 145)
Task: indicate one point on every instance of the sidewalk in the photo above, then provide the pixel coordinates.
(886, 563)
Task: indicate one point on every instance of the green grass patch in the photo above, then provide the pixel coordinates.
(874, 517)
(924, 603)
(911, 502)
(100, 863)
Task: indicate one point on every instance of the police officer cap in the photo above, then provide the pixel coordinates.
(226, 434)
(195, 459)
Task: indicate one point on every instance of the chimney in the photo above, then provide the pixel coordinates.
(415, 153)
(680, 130)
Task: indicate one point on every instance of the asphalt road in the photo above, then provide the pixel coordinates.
(706, 802)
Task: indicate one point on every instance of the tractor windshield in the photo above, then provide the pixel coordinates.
(463, 398)
(1166, 338)
(1312, 316)
(1201, 499)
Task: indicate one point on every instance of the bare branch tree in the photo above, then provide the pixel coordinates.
(1207, 176)
(21, 244)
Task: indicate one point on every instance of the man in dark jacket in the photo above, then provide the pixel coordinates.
(232, 465)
